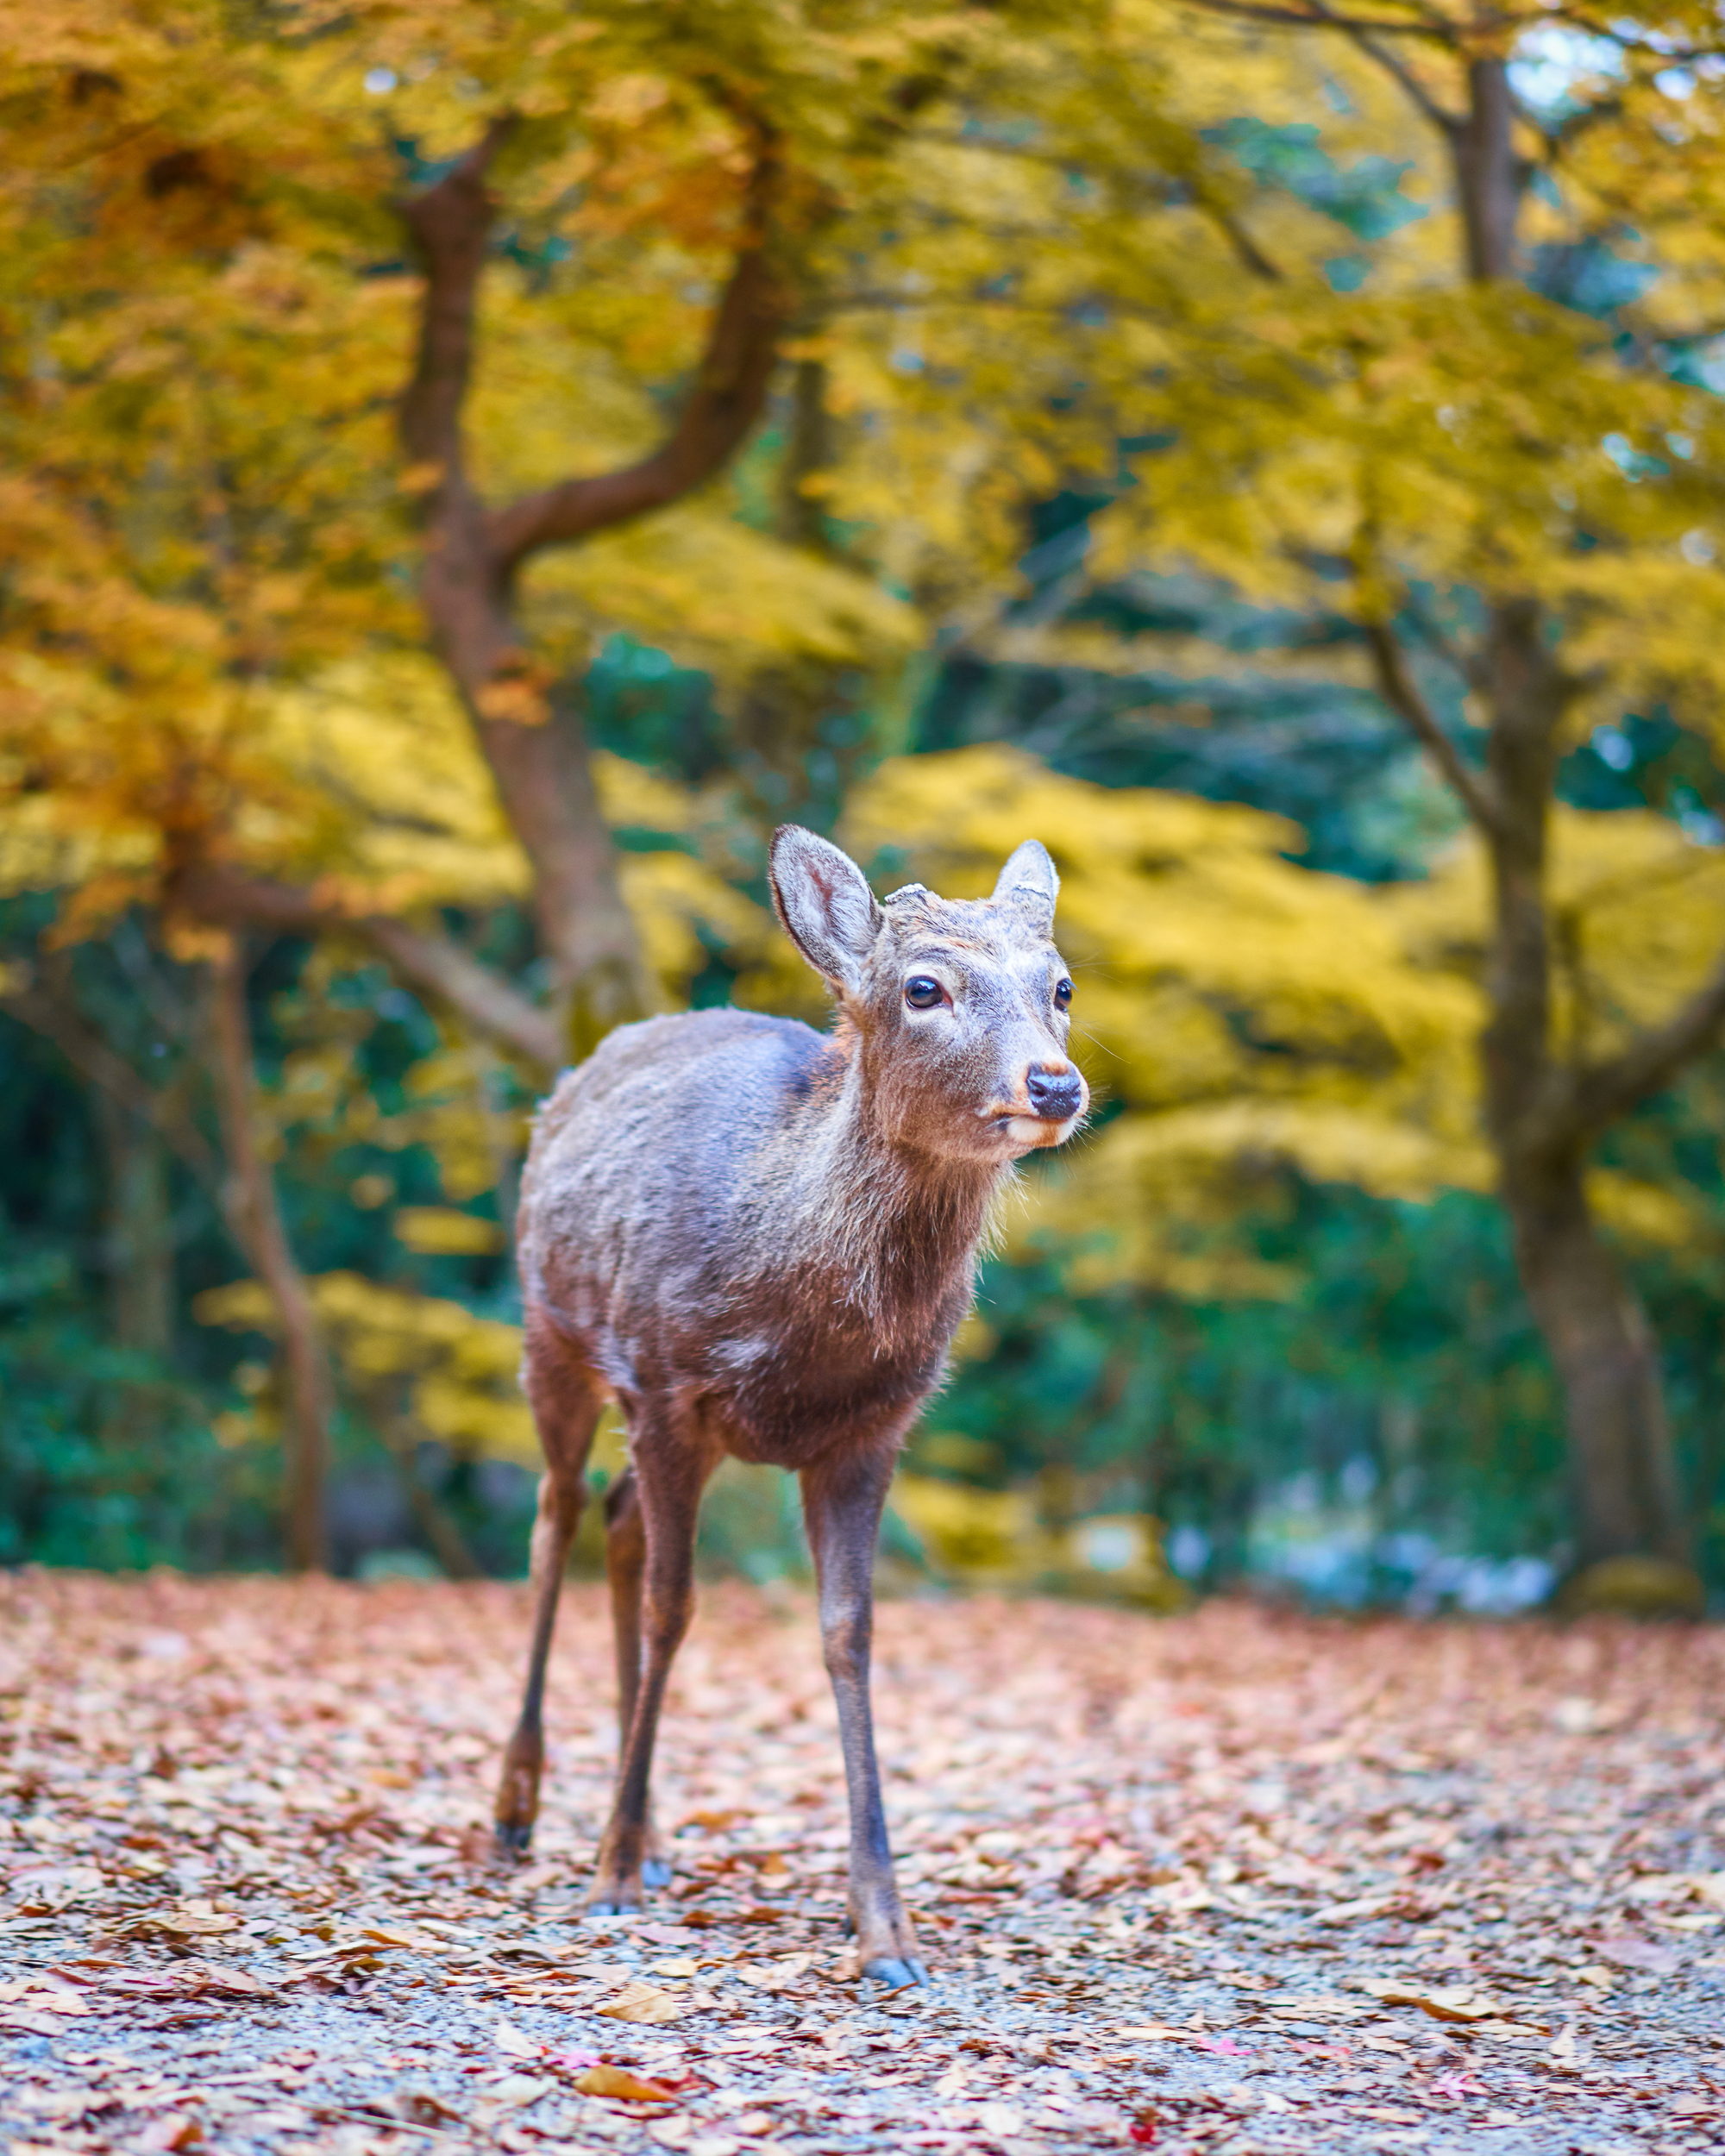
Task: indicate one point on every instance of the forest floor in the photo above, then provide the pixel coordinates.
(1240, 1881)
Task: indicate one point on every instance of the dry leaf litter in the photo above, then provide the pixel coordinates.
(1238, 1881)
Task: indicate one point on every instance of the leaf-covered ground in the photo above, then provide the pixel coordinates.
(1238, 1880)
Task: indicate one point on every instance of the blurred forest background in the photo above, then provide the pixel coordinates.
(470, 472)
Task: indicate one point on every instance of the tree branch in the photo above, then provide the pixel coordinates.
(254, 1214)
(432, 964)
(1600, 1092)
(1363, 31)
(1320, 18)
(93, 1060)
(730, 393)
(1402, 693)
(1449, 123)
(451, 225)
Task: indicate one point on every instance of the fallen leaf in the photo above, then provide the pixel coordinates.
(234, 1983)
(515, 2091)
(26, 2020)
(191, 1919)
(564, 2061)
(642, 2002)
(621, 2086)
(421, 2106)
(178, 2130)
(509, 2039)
(1452, 2003)
(1625, 1950)
(1355, 1912)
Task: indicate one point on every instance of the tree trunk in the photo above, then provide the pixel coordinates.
(536, 747)
(255, 1220)
(540, 765)
(1618, 1438)
(1488, 179)
(1628, 1503)
(137, 1231)
(1544, 1108)
(435, 1521)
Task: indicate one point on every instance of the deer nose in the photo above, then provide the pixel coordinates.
(1055, 1094)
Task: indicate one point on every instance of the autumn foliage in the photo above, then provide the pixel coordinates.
(469, 472)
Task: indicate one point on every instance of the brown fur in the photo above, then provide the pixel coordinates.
(760, 1240)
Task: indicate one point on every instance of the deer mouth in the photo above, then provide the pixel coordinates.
(1029, 1133)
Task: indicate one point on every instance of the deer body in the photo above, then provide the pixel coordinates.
(759, 1240)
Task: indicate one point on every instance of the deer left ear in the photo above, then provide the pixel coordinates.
(824, 903)
(1029, 885)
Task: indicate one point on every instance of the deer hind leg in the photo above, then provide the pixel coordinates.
(566, 1399)
(671, 1464)
(842, 1507)
(625, 1561)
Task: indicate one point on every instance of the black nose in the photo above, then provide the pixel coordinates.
(1055, 1094)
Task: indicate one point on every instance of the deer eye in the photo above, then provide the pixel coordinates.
(1062, 995)
(922, 992)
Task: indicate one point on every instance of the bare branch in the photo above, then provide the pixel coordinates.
(1600, 1092)
(1252, 257)
(451, 225)
(1418, 96)
(445, 970)
(728, 394)
(1402, 693)
(1468, 669)
(1665, 50)
(1320, 18)
(93, 1060)
(432, 964)
(1363, 32)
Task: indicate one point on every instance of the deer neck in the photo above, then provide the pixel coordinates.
(888, 1229)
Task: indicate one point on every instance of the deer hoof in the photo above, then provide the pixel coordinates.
(655, 1871)
(897, 1975)
(513, 1840)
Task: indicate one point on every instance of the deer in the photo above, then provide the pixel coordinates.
(758, 1240)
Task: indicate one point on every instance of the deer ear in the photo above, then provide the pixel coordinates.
(1029, 884)
(828, 911)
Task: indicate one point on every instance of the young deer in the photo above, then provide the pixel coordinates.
(759, 1240)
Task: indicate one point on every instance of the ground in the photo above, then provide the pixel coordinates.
(1239, 1879)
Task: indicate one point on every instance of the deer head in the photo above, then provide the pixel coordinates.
(958, 1007)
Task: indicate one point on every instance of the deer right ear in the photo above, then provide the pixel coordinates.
(828, 911)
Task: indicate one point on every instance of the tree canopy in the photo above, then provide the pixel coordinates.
(470, 475)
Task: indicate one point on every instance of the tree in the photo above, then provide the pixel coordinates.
(230, 291)
(1508, 507)
(206, 539)
(1011, 258)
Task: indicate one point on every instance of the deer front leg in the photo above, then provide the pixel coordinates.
(841, 1506)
